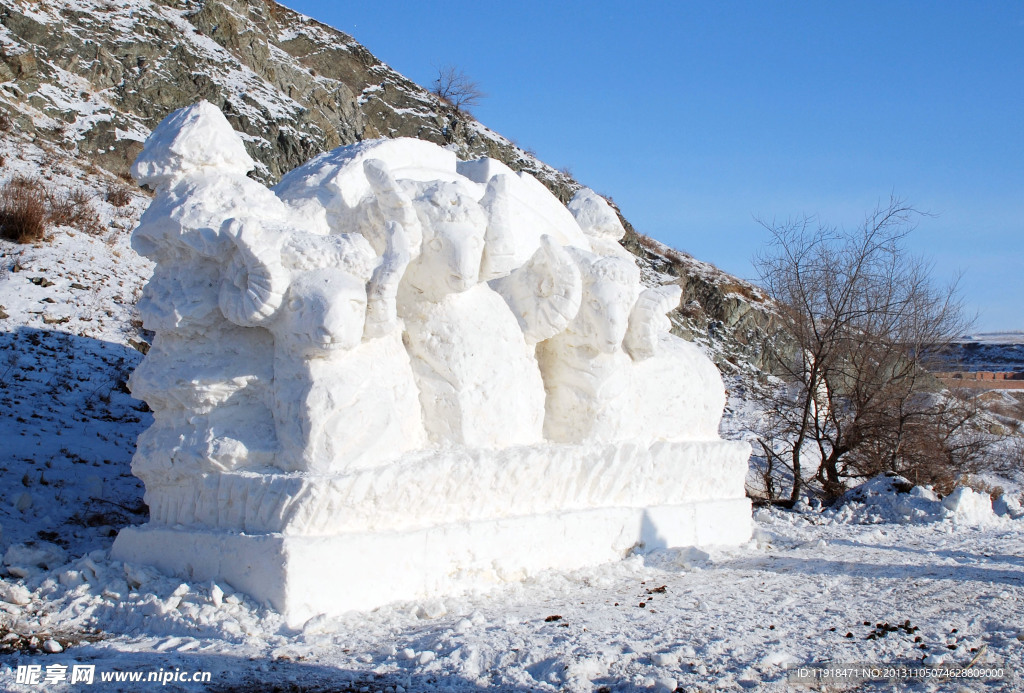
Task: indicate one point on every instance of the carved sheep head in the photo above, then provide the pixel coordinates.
(324, 310)
(454, 225)
(610, 287)
(309, 290)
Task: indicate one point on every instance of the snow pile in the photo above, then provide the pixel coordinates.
(890, 498)
(969, 507)
(887, 498)
(1007, 505)
(70, 598)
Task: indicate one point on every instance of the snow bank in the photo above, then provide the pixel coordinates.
(970, 507)
(887, 498)
(1008, 506)
(893, 499)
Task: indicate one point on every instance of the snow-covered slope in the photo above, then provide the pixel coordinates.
(69, 340)
(95, 77)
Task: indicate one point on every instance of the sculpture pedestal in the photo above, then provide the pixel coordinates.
(305, 576)
(440, 523)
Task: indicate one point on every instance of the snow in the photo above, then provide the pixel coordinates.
(187, 142)
(1007, 505)
(969, 506)
(1006, 337)
(739, 615)
(595, 216)
(728, 618)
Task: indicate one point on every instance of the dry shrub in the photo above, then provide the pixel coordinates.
(5, 122)
(993, 491)
(456, 89)
(118, 195)
(22, 210)
(74, 209)
(938, 443)
(655, 247)
(60, 209)
(743, 289)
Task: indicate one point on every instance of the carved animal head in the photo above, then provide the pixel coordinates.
(310, 290)
(610, 287)
(324, 310)
(454, 225)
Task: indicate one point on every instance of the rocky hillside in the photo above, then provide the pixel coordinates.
(87, 80)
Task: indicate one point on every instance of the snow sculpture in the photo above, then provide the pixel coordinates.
(204, 378)
(585, 368)
(426, 368)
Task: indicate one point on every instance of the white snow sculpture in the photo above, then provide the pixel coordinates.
(616, 374)
(204, 378)
(398, 375)
(585, 369)
(599, 222)
(675, 391)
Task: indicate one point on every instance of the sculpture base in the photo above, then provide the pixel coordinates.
(439, 521)
(303, 576)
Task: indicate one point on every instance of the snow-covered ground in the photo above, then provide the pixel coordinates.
(849, 586)
(886, 578)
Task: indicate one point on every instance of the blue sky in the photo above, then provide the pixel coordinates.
(699, 118)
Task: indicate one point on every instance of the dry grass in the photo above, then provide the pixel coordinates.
(982, 486)
(743, 289)
(23, 210)
(74, 209)
(118, 195)
(671, 254)
(28, 207)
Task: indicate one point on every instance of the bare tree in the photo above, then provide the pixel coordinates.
(454, 87)
(864, 316)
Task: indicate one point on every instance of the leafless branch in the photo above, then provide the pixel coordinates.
(454, 87)
(865, 316)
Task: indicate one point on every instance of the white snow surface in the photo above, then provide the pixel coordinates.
(807, 589)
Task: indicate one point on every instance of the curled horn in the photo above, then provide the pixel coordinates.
(647, 320)
(254, 284)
